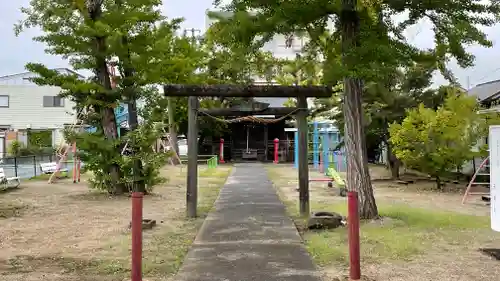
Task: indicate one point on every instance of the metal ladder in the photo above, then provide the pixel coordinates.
(483, 171)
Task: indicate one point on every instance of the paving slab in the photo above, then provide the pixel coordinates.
(248, 236)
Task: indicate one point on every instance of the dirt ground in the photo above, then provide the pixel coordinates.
(455, 257)
(62, 231)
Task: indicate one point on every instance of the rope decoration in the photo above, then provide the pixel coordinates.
(251, 118)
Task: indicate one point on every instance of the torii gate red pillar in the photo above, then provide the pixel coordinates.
(221, 152)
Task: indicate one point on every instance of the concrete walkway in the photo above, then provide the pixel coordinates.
(248, 236)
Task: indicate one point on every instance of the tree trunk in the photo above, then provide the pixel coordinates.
(393, 162)
(108, 121)
(110, 132)
(172, 131)
(394, 165)
(358, 176)
(439, 184)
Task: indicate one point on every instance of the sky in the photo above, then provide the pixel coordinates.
(17, 51)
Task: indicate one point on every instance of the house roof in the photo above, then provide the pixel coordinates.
(486, 91)
(60, 69)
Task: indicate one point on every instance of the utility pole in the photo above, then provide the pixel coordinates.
(172, 130)
(193, 32)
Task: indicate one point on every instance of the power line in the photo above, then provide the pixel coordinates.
(488, 75)
(193, 32)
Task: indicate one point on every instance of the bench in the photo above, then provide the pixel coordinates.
(6, 182)
(50, 168)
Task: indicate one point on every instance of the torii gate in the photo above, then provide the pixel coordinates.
(272, 91)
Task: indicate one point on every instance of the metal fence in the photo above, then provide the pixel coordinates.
(27, 167)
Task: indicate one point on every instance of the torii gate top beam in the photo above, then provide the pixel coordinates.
(272, 91)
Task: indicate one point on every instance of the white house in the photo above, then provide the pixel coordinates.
(488, 95)
(25, 105)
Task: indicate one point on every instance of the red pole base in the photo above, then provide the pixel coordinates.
(136, 270)
(353, 228)
(221, 161)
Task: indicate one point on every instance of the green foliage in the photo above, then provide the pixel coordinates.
(381, 47)
(93, 35)
(438, 141)
(290, 102)
(15, 148)
(96, 154)
(299, 71)
(40, 138)
(36, 150)
(210, 59)
(360, 42)
(154, 110)
(140, 141)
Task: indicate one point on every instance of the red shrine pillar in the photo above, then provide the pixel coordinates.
(221, 152)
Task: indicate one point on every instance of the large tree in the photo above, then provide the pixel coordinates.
(386, 101)
(94, 35)
(360, 40)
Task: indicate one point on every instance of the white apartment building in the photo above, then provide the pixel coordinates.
(25, 105)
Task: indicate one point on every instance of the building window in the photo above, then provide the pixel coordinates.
(53, 101)
(4, 101)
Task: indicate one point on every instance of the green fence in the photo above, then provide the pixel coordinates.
(211, 160)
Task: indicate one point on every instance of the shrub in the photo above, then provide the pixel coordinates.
(15, 148)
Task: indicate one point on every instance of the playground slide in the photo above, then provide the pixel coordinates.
(335, 176)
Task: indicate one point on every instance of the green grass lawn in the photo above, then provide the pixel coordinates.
(164, 247)
(403, 233)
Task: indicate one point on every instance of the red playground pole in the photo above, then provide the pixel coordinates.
(79, 166)
(353, 228)
(276, 146)
(221, 153)
(137, 236)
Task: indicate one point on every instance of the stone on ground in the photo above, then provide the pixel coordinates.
(325, 220)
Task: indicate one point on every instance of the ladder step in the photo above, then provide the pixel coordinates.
(482, 174)
(479, 193)
(480, 183)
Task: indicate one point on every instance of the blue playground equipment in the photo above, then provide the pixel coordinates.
(121, 114)
(325, 139)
